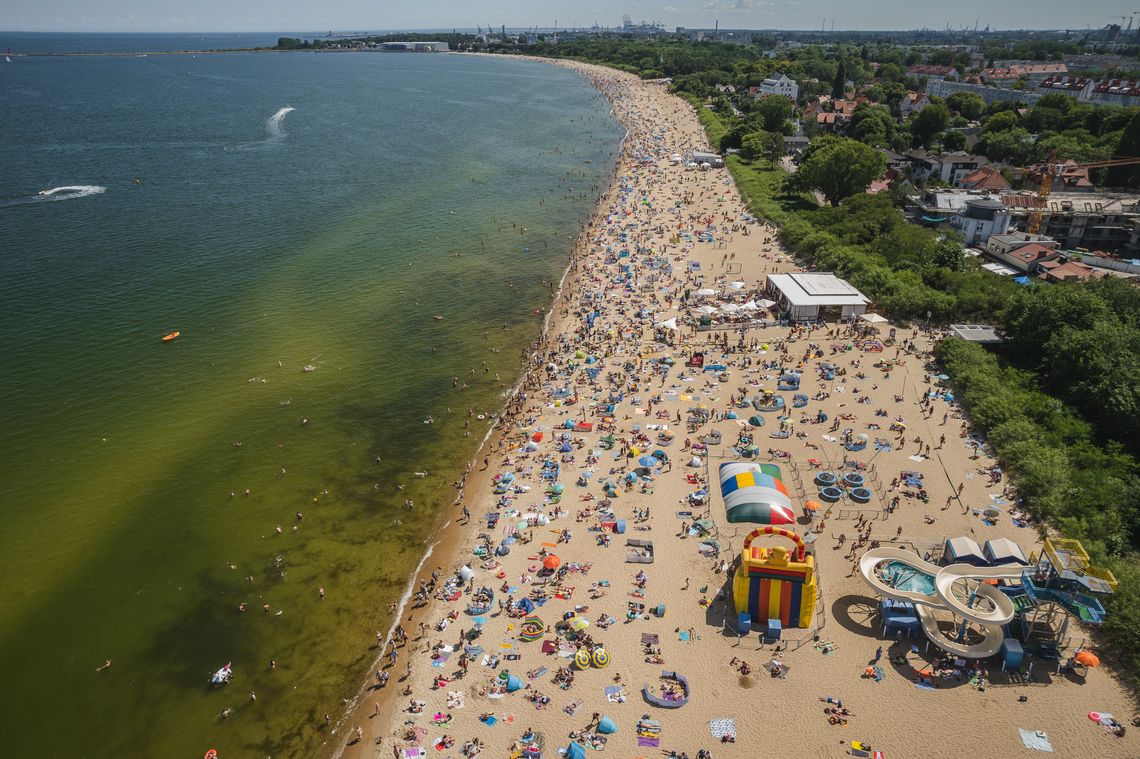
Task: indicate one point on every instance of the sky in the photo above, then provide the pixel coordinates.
(375, 15)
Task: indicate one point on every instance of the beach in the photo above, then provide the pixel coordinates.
(469, 671)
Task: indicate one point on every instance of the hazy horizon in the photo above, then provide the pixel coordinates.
(219, 16)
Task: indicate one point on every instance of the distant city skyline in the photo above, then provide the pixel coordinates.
(365, 15)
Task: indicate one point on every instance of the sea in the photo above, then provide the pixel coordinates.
(356, 250)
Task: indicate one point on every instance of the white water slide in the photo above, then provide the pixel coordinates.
(958, 588)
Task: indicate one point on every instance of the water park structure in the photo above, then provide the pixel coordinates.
(1060, 581)
(774, 583)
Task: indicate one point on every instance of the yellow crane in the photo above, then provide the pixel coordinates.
(1048, 173)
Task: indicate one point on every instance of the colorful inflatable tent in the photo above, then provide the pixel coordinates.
(775, 583)
(755, 493)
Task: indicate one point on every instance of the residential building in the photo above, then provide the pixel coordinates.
(1022, 251)
(414, 47)
(1033, 72)
(985, 178)
(779, 85)
(1124, 92)
(913, 102)
(944, 88)
(1055, 272)
(980, 219)
(949, 168)
(932, 73)
(1092, 221)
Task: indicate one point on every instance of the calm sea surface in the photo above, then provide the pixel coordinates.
(398, 188)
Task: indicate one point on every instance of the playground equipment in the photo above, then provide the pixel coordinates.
(907, 577)
(774, 583)
(1061, 583)
(755, 493)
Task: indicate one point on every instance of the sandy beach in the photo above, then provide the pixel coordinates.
(496, 675)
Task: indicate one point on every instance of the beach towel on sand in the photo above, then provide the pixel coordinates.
(1036, 740)
(414, 753)
(722, 728)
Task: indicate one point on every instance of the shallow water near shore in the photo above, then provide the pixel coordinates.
(273, 240)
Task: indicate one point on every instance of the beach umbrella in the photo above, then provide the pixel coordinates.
(1087, 658)
(582, 659)
(601, 658)
(812, 505)
(648, 461)
(579, 623)
(552, 562)
(661, 455)
(557, 488)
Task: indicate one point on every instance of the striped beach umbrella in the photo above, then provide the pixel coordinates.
(601, 658)
(582, 659)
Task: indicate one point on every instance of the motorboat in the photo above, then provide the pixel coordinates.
(223, 675)
(171, 336)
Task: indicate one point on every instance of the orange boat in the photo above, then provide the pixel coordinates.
(171, 336)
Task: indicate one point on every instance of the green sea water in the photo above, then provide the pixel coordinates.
(326, 236)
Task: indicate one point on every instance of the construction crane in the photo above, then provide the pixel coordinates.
(1049, 173)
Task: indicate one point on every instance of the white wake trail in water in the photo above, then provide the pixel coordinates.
(273, 126)
(55, 194)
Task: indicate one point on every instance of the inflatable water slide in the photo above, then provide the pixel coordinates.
(959, 588)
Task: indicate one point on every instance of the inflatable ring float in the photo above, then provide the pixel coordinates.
(860, 495)
(825, 479)
(831, 494)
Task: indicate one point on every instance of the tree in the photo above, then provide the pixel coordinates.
(839, 86)
(952, 140)
(1128, 147)
(838, 167)
(872, 125)
(969, 104)
(1000, 122)
(773, 111)
(930, 121)
(762, 144)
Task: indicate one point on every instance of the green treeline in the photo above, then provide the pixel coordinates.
(1086, 489)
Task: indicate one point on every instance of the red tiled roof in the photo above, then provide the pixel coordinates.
(984, 178)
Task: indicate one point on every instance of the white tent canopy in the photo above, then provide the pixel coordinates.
(706, 292)
(765, 303)
(737, 285)
(707, 310)
(873, 318)
(729, 308)
(668, 323)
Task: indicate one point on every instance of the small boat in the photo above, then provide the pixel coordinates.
(171, 336)
(438, 318)
(223, 675)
